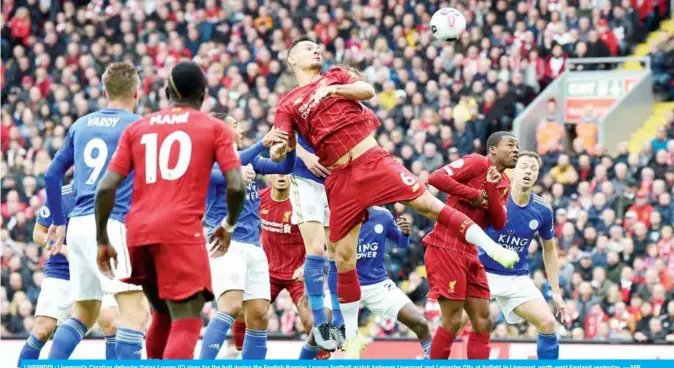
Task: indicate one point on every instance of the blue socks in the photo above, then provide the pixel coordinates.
(129, 344)
(426, 345)
(255, 345)
(110, 353)
(66, 338)
(308, 352)
(548, 346)
(337, 318)
(313, 281)
(31, 349)
(215, 335)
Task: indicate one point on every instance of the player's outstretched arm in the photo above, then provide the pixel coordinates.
(358, 90)
(236, 194)
(497, 209)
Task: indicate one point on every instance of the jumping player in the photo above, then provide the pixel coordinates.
(311, 214)
(55, 303)
(89, 146)
(514, 291)
(326, 111)
(241, 276)
(171, 152)
(476, 186)
(379, 293)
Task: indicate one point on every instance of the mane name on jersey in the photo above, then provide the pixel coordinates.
(102, 122)
(367, 250)
(170, 119)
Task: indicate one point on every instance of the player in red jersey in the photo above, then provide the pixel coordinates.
(284, 246)
(477, 187)
(326, 111)
(172, 153)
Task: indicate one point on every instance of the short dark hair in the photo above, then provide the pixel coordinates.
(299, 39)
(496, 138)
(186, 82)
(531, 154)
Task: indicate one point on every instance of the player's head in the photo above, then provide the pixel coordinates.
(280, 182)
(235, 124)
(503, 149)
(305, 53)
(121, 82)
(186, 85)
(526, 171)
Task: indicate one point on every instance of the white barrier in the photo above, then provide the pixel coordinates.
(392, 349)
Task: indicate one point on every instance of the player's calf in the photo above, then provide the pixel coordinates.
(134, 316)
(441, 344)
(71, 332)
(256, 313)
(537, 313)
(185, 326)
(230, 305)
(478, 340)
(107, 321)
(42, 330)
(415, 321)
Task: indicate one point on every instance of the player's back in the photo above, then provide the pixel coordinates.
(523, 224)
(172, 152)
(281, 240)
(332, 126)
(91, 142)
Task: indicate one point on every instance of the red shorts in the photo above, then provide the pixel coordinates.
(455, 275)
(177, 271)
(374, 178)
(295, 288)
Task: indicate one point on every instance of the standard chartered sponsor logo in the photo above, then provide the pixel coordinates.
(275, 227)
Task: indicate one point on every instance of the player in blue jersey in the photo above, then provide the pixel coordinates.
(54, 304)
(89, 146)
(241, 277)
(380, 294)
(514, 291)
(311, 213)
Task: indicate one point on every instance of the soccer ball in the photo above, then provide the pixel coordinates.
(447, 24)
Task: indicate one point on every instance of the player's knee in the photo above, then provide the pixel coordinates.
(482, 325)
(44, 327)
(231, 302)
(257, 316)
(421, 329)
(345, 258)
(547, 324)
(107, 320)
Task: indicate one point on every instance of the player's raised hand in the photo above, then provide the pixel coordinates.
(218, 242)
(314, 166)
(323, 92)
(404, 224)
(493, 175)
(56, 236)
(477, 202)
(248, 173)
(105, 253)
(298, 275)
(561, 307)
(274, 136)
(278, 152)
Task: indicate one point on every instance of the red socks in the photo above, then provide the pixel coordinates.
(478, 346)
(183, 339)
(348, 286)
(441, 345)
(157, 335)
(455, 221)
(238, 334)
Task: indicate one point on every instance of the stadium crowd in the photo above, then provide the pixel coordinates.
(436, 102)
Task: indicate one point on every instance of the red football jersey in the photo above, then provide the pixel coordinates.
(281, 241)
(334, 125)
(171, 152)
(469, 176)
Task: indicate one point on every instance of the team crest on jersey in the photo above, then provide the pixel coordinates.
(44, 212)
(533, 224)
(452, 286)
(286, 216)
(378, 228)
(264, 211)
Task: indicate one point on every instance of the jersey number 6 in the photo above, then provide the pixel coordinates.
(408, 180)
(184, 155)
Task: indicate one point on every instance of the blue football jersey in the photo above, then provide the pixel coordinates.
(523, 224)
(248, 226)
(89, 146)
(57, 264)
(379, 227)
(301, 169)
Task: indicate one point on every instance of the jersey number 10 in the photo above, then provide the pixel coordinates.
(184, 155)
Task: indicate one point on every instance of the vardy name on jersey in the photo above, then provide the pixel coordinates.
(57, 264)
(523, 224)
(379, 227)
